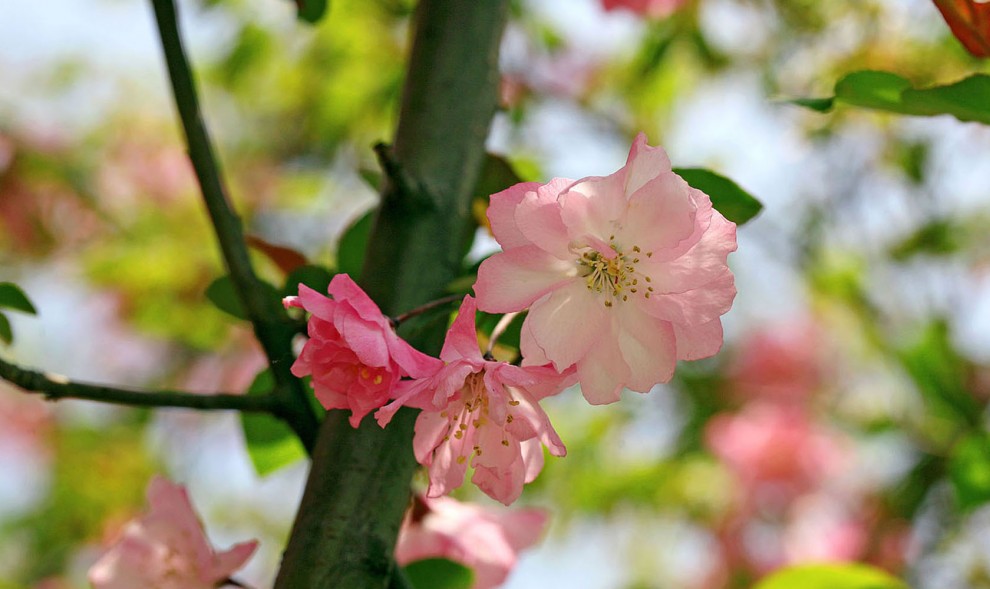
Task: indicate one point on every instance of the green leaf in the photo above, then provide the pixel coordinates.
(223, 294)
(497, 174)
(969, 470)
(6, 333)
(311, 11)
(271, 444)
(12, 297)
(439, 573)
(316, 277)
(728, 198)
(940, 237)
(818, 104)
(510, 337)
(353, 244)
(831, 576)
(967, 100)
(870, 89)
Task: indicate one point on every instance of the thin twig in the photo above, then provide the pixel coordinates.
(396, 321)
(267, 316)
(497, 332)
(55, 387)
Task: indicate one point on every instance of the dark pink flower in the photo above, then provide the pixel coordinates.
(480, 410)
(485, 540)
(624, 275)
(353, 354)
(167, 548)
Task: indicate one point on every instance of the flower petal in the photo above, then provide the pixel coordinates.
(647, 347)
(644, 163)
(660, 215)
(538, 218)
(602, 372)
(502, 211)
(512, 280)
(462, 337)
(698, 341)
(566, 324)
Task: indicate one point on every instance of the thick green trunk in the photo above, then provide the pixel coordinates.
(358, 488)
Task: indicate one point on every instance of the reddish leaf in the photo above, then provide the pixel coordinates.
(970, 23)
(287, 259)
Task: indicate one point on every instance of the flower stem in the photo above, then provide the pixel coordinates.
(270, 323)
(397, 321)
(56, 387)
(499, 329)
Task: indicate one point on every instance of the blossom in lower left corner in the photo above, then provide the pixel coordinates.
(485, 540)
(167, 548)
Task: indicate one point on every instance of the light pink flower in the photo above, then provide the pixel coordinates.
(481, 410)
(776, 445)
(624, 274)
(167, 548)
(822, 529)
(485, 540)
(648, 8)
(353, 354)
(784, 363)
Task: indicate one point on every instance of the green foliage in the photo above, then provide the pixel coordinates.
(967, 99)
(831, 576)
(353, 245)
(969, 470)
(316, 277)
(271, 443)
(223, 294)
(12, 297)
(311, 11)
(728, 198)
(938, 237)
(438, 573)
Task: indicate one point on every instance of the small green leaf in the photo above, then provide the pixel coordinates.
(818, 104)
(871, 89)
(969, 469)
(831, 576)
(497, 174)
(311, 11)
(439, 573)
(271, 444)
(939, 237)
(352, 246)
(223, 294)
(728, 198)
(316, 277)
(12, 297)
(510, 337)
(6, 334)
(967, 100)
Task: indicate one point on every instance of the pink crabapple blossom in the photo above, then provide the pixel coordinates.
(353, 354)
(167, 548)
(623, 275)
(647, 8)
(483, 539)
(480, 410)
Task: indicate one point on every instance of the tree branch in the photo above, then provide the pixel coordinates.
(359, 486)
(56, 387)
(271, 325)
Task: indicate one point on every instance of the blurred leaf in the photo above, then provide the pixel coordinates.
(311, 11)
(510, 337)
(497, 174)
(6, 333)
(12, 297)
(271, 443)
(937, 237)
(439, 573)
(287, 259)
(316, 277)
(372, 178)
(831, 576)
(967, 99)
(354, 242)
(223, 294)
(728, 198)
(969, 470)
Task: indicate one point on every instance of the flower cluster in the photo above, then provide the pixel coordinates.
(622, 276)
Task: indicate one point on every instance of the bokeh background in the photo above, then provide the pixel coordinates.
(844, 420)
